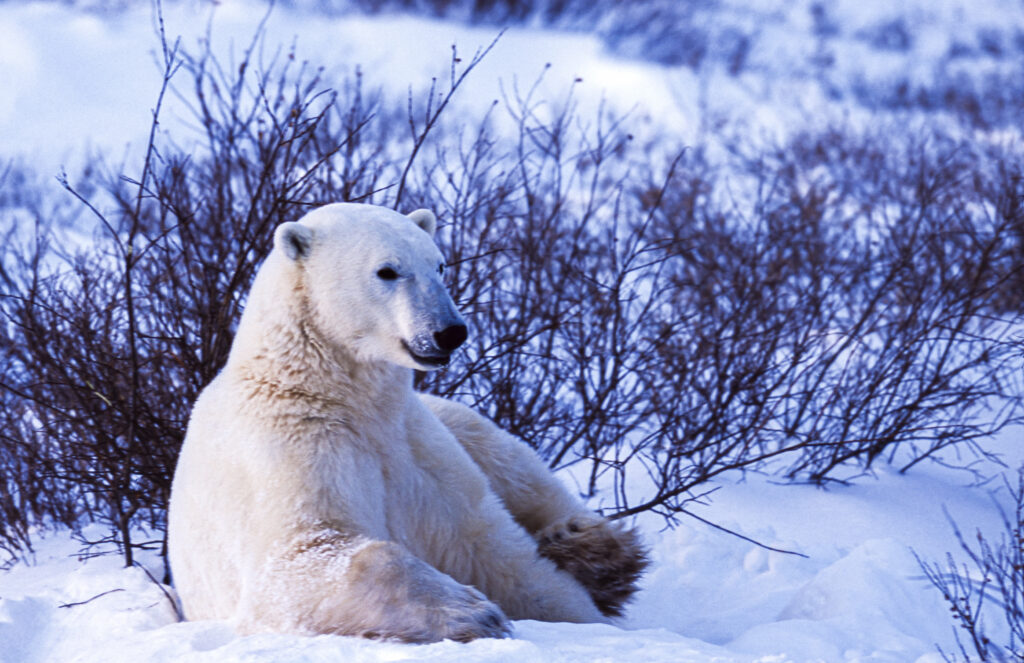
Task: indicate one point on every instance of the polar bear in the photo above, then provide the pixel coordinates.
(317, 492)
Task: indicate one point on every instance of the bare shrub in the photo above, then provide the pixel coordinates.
(636, 312)
(987, 588)
(846, 314)
(986, 100)
(639, 321)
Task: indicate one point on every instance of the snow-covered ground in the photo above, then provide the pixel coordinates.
(75, 80)
(859, 595)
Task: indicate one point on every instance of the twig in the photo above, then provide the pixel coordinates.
(431, 118)
(163, 588)
(100, 595)
(741, 536)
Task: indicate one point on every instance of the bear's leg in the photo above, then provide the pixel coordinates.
(604, 557)
(503, 561)
(328, 583)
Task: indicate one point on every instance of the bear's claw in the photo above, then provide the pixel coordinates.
(479, 618)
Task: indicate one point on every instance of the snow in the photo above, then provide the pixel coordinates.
(107, 68)
(77, 80)
(858, 595)
(135, 622)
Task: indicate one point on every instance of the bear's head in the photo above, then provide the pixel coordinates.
(373, 278)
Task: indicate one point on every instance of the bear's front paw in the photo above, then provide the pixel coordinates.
(470, 615)
(604, 557)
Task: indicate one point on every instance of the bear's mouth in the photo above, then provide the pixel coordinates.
(427, 360)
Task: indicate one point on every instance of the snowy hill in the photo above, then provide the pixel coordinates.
(805, 62)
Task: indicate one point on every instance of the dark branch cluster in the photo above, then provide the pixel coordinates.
(985, 593)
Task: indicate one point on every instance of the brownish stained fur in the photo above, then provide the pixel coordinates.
(604, 557)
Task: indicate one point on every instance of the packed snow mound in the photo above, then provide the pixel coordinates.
(60, 609)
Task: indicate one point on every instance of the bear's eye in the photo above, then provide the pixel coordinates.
(440, 269)
(387, 273)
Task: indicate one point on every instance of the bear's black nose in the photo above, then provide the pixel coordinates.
(450, 338)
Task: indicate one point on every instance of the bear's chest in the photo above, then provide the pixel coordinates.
(412, 484)
(432, 486)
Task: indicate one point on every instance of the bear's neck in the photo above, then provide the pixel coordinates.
(279, 356)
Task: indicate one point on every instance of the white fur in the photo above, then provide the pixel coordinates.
(317, 492)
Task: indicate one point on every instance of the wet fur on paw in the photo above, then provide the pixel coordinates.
(605, 557)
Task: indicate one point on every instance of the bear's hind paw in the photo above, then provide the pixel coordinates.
(606, 558)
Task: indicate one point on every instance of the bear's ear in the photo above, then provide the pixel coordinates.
(294, 239)
(425, 219)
